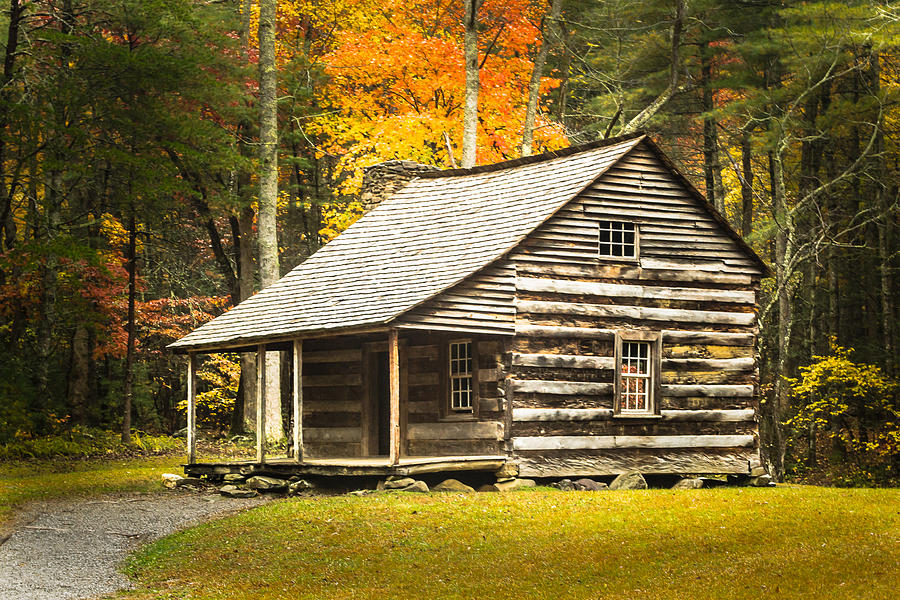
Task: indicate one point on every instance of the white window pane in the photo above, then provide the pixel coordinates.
(635, 377)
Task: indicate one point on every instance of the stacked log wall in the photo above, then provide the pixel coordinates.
(692, 284)
(676, 231)
(332, 398)
(432, 432)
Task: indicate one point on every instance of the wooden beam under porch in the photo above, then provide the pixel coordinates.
(366, 466)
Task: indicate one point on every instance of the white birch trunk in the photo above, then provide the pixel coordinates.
(268, 199)
(470, 112)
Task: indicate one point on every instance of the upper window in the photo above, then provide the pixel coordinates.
(461, 376)
(617, 239)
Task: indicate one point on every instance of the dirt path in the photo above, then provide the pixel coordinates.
(64, 550)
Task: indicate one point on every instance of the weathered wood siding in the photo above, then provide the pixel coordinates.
(676, 232)
(430, 432)
(692, 283)
(483, 303)
(332, 398)
(557, 307)
(338, 404)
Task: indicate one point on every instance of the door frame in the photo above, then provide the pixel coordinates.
(369, 410)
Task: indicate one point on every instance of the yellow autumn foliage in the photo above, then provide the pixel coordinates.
(847, 418)
(219, 376)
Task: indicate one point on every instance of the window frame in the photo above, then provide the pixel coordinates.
(448, 413)
(637, 242)
(654, 354)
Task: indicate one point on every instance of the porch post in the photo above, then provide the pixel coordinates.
(394, 369)
(192, 408)
(260, 403)
(298, 400)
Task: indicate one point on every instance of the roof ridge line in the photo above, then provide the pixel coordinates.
(534, 158)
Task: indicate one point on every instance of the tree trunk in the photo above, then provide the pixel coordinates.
(884, 200)
(784, 251)
(269, 270)
(712, 166)
(564, 70)
(46, 330)
(470, 111)
(248, 359)
(79, 376)
(268, 146)
(885, 255)
(129, 353)
(834, 306)
(746, 184)
(810, 164)
(7, 224)
(548, 27)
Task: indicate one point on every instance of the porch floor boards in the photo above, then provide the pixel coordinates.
(349, 466)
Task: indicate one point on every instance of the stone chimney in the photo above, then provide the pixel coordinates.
(382, 180)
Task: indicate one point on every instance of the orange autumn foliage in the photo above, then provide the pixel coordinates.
(397, 81)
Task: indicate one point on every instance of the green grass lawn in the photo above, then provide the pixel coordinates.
(22, 482)
(789, 542)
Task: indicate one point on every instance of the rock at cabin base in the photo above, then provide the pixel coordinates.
(509, 470)
(193, 482)
(298, 486)
(564, 485)
(589, 485)
(267, 484)
(688, 484)
(232, 491)
(234, 478)
(758, 471)
(452, 485)
(761, 481)
(417, 486)
(398, 483)
(170, 480)
(629, 481)
(514, 484)
(489, 487)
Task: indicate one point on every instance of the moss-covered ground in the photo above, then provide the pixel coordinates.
(788, 542)
(26, 481)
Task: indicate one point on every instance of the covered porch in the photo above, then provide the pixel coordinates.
(368, 403)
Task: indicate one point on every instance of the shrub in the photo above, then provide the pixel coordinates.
(219, 376)
(847, 425)
(82, 442)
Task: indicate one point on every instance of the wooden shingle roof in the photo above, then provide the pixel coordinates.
(433, 233)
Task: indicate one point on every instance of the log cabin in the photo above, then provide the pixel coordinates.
(583, 312)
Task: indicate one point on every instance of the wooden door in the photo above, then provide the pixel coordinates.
(382, 396)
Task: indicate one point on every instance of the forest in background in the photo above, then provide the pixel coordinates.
(129, 177)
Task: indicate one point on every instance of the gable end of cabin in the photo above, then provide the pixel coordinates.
(635, 333)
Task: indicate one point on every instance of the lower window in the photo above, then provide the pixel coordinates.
(637, 373)
(637, 378)
(461, 376)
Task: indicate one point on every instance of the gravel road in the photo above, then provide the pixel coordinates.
(63, 550)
